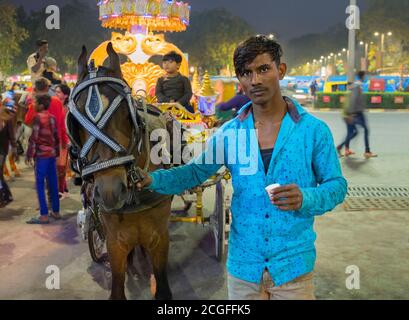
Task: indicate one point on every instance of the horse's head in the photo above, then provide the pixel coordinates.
(104, 127)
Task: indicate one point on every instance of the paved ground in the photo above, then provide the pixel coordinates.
(375, 241)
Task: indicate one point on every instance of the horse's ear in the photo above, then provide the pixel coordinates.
(82, 64)
(114, 63)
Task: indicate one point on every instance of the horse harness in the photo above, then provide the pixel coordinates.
(95, 121)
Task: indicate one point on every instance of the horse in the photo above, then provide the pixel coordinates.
(110, 145)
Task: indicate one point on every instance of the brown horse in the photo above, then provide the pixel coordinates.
(124, 229)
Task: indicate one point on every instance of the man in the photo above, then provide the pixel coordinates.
(354, 115)
(36, 61)
(271, 246)
(174, 87)
(41, 87)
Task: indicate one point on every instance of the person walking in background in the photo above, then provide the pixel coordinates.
(41, 87)
(351, 131)
(313, 91)
(44, 149)
(354, 115)
(62, 92)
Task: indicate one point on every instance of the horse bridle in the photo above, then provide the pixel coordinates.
(95, 121)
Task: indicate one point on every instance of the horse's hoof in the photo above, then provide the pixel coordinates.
(164, 297)
(118, 298)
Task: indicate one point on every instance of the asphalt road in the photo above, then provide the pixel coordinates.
(375, 241)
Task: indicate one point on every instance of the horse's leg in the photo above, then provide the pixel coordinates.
(159, 259)
(132, 271)
(117, 254)
(121, 240)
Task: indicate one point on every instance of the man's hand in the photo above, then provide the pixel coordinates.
(287, 198)
(146, 182)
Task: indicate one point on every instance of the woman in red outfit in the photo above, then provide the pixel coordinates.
(62, 92)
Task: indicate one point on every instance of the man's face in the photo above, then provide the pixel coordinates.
(43, 49)
(261, 79)
(170, 66)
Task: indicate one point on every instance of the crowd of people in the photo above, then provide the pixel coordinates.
(32, 125)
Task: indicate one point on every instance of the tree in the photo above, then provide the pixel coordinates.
(388, 16)
(79, 26)
(211, 38)
(312, 46)
(11, 36)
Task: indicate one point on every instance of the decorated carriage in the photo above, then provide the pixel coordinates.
(140, 19)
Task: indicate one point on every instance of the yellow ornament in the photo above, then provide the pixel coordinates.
(207, 89)
(195, 82)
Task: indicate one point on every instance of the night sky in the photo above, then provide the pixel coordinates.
(285, 18)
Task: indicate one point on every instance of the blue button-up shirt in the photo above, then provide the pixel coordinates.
(261, 235)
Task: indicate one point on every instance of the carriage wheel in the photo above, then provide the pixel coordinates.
(97, 245)
(219, 223)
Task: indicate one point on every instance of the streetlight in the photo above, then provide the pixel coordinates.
(376, 34)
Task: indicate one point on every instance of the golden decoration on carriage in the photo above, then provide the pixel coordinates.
(140, 19)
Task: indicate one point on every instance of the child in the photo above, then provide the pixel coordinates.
(174, 87)
(44, 148)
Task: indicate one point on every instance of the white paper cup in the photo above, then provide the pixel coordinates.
(271, 187)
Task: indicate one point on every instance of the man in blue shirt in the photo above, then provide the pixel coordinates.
(273, 140)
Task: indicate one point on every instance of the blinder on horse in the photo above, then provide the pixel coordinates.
(94, 121)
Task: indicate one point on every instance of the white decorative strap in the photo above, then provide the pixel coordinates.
(106, 165)
(101, 124)
(93, 130)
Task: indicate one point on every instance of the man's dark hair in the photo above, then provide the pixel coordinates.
(43, 99)
(41, 84)
(172, 56)
(249, 49)
(361, 75)
(40, 43)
